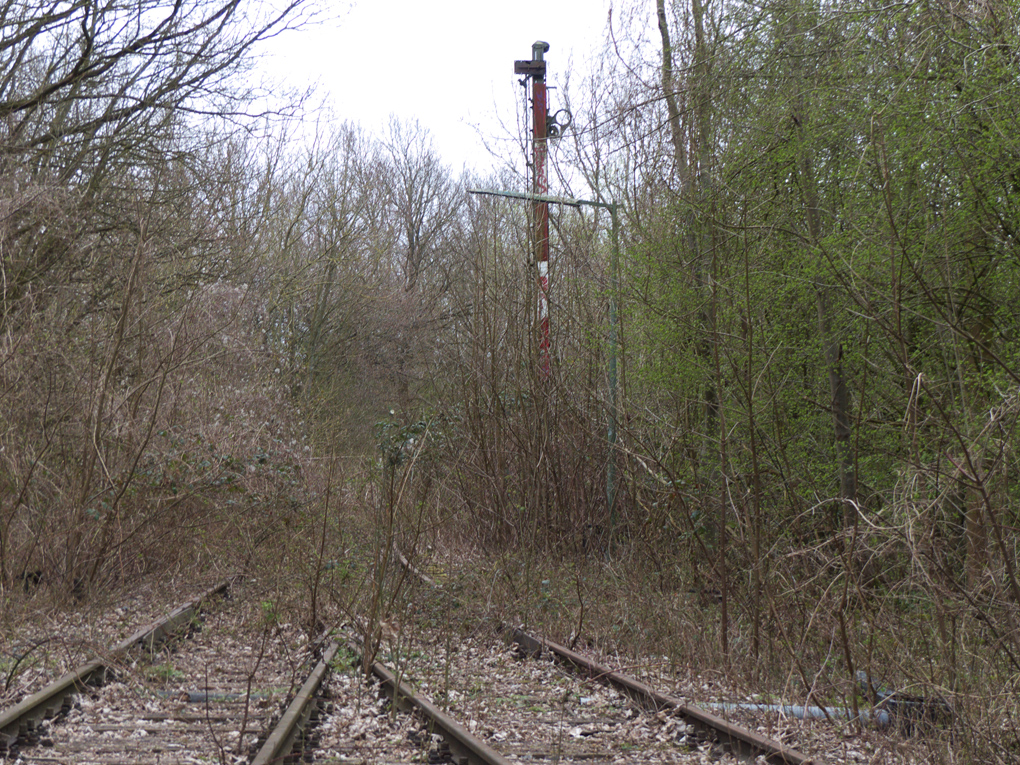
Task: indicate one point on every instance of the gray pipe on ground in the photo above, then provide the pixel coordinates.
(881, 717)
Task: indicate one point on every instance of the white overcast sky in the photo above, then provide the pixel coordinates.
(446, 63)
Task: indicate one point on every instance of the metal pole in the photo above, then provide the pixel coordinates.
(614, 286)
(540, 186)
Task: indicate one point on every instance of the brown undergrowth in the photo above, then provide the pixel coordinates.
(139, 451)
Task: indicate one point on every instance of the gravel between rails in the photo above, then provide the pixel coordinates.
(359, 727)
(208, 698)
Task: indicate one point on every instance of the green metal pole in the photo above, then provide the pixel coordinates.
(614, 286)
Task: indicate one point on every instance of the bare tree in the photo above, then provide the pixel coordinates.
(422, 195)
(112, 218)
(97, 97)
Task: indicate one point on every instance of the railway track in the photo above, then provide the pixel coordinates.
(215, 696)
(499, 699)
(578, 710)
(697, 727)
(241, 688)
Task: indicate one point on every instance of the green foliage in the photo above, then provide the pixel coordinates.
(399, 443)
(164, 673)
(270, 614)
(345, 660)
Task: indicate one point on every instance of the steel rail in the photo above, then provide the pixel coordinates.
(20, 719)
(466, 748)
(294, 723)
(740, 739)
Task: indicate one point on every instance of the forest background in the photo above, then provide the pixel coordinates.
(214, 337)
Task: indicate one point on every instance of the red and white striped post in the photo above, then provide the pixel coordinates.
(535, 69)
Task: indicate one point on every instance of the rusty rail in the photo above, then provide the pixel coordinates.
(465, 748)
(741, 740)
(294, 723)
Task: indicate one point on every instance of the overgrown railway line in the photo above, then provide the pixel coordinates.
(205, 683)
(519, 699)
(231, 694)
(27, 722)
